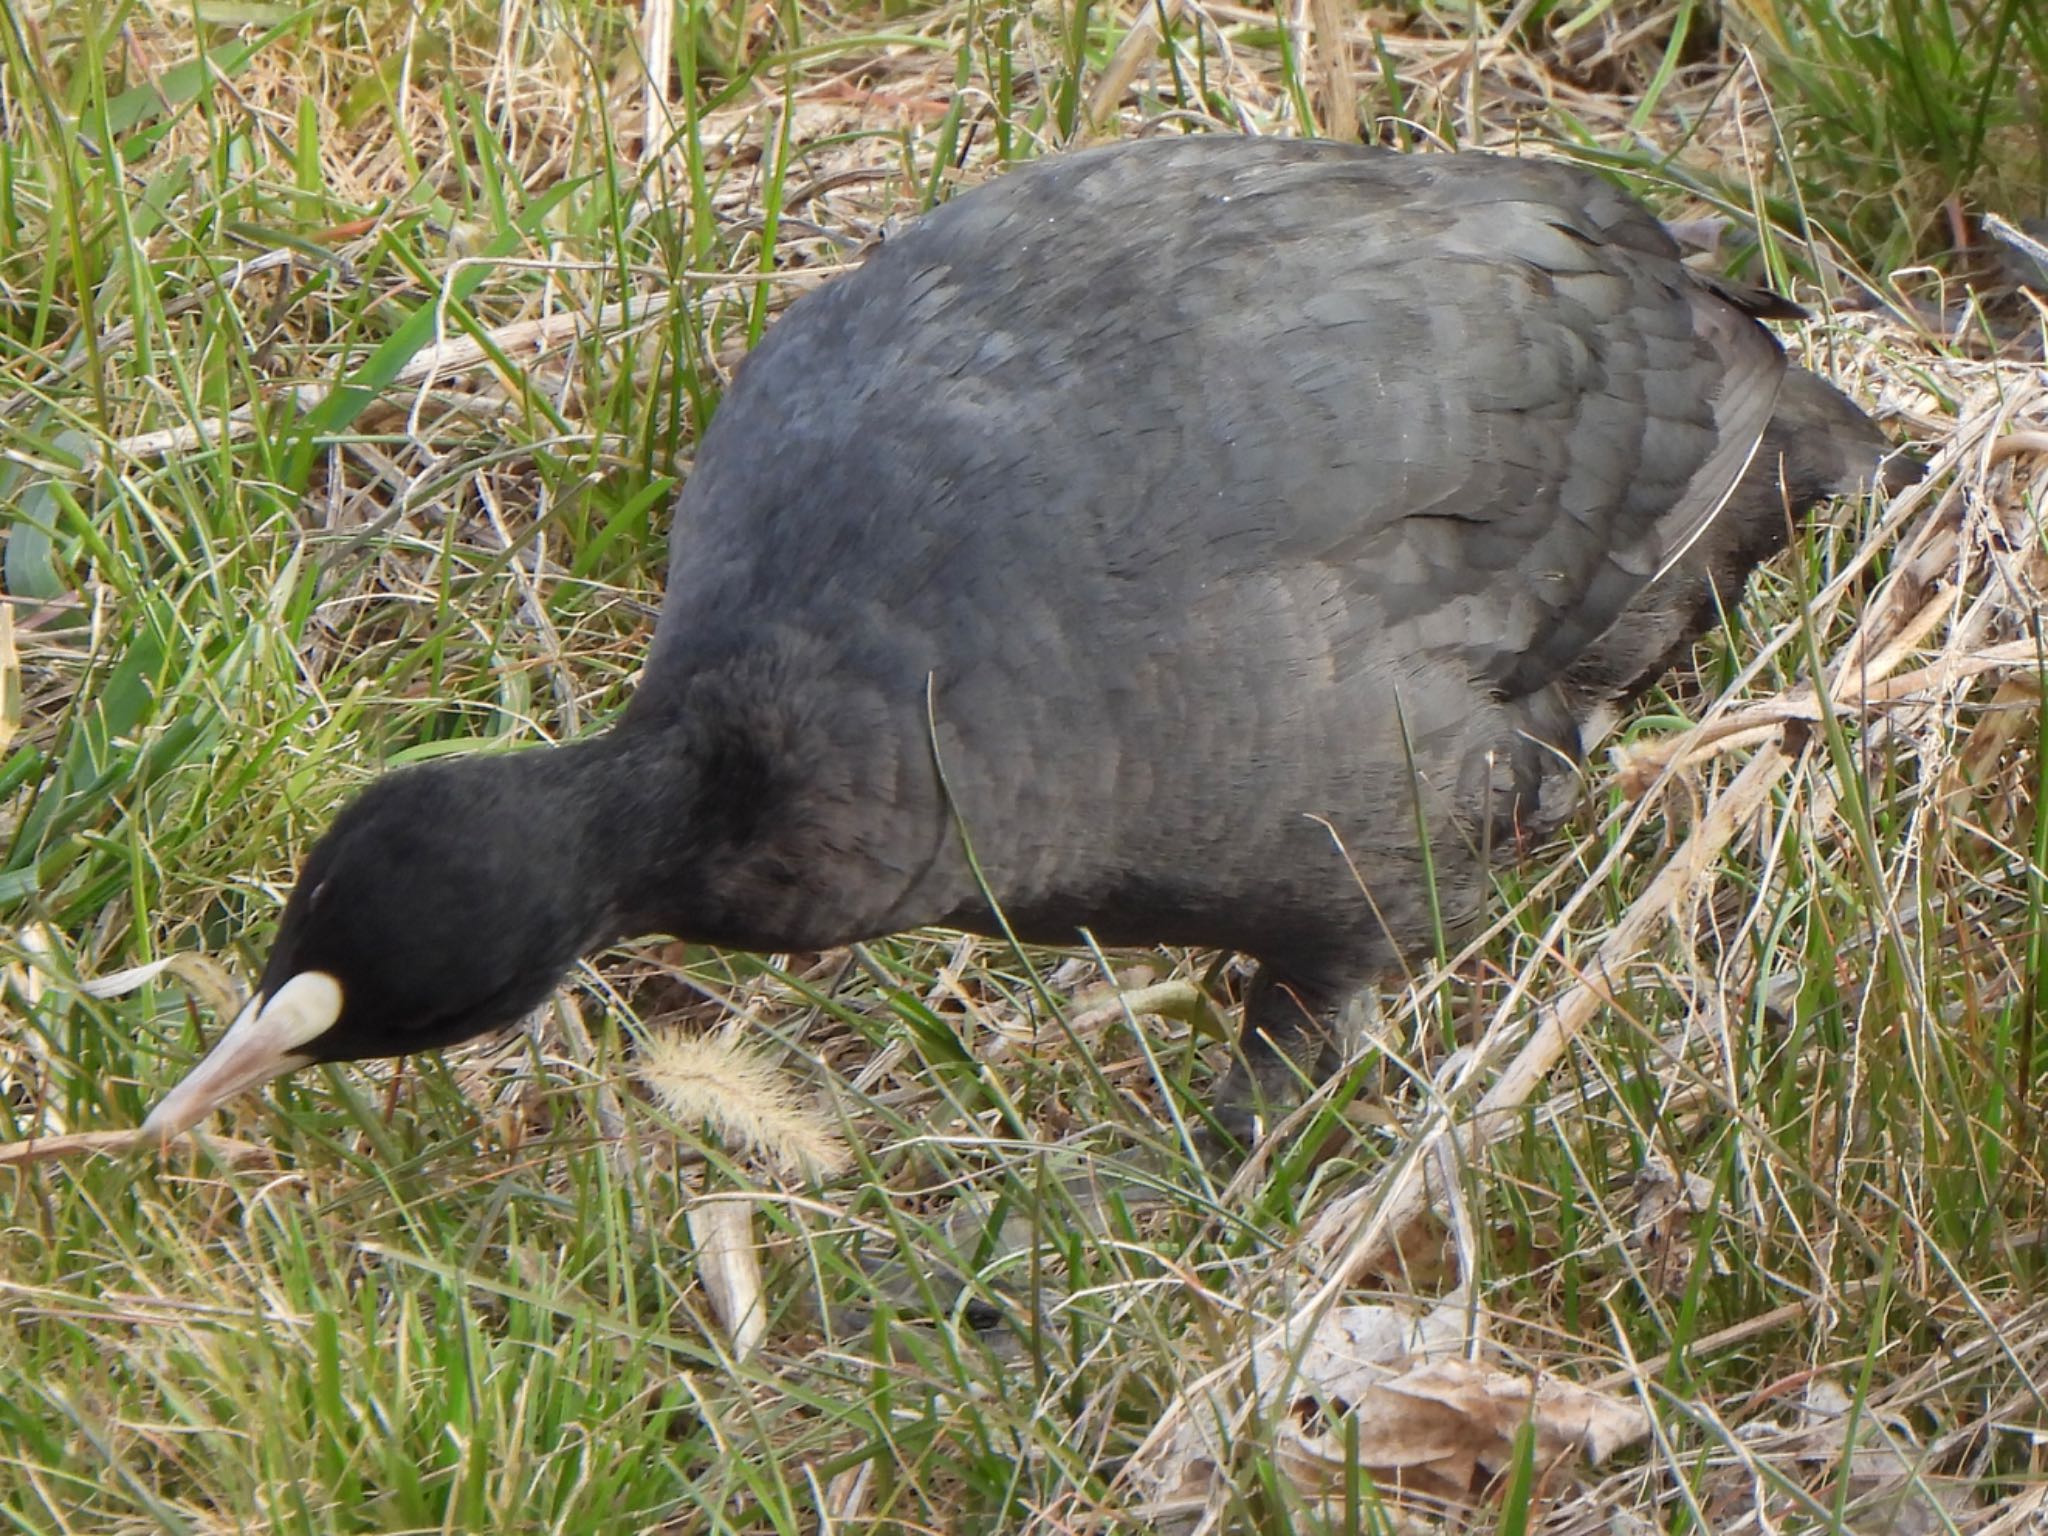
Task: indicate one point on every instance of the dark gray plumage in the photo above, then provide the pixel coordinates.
(1204, 517)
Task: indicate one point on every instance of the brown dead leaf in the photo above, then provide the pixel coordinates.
(1448, 1428)
(1357, 1347)
(1428, 1420)
(1352, 1347)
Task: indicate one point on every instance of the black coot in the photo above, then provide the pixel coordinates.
(1183, 527)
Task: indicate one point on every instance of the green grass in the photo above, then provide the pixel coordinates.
(463, 1297)
(1910, 117)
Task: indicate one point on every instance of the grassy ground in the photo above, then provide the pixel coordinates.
(347, 358)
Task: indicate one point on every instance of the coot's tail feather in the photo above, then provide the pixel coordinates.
(1828, 446)
(1819, 444)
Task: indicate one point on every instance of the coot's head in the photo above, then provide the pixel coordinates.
(439, 906)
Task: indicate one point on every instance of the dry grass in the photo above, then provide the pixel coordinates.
(1787, 967)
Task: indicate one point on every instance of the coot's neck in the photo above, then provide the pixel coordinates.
(748, 810)
(652, 819)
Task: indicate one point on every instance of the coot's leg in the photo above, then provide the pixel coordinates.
(1290, 1044)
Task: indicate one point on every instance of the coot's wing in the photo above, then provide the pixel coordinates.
(1588, 407)
(1482, 397)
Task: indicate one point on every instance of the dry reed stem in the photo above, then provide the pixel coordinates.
(1339, 90)
(657, 45)
(1130, 57)
(42, 1149)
